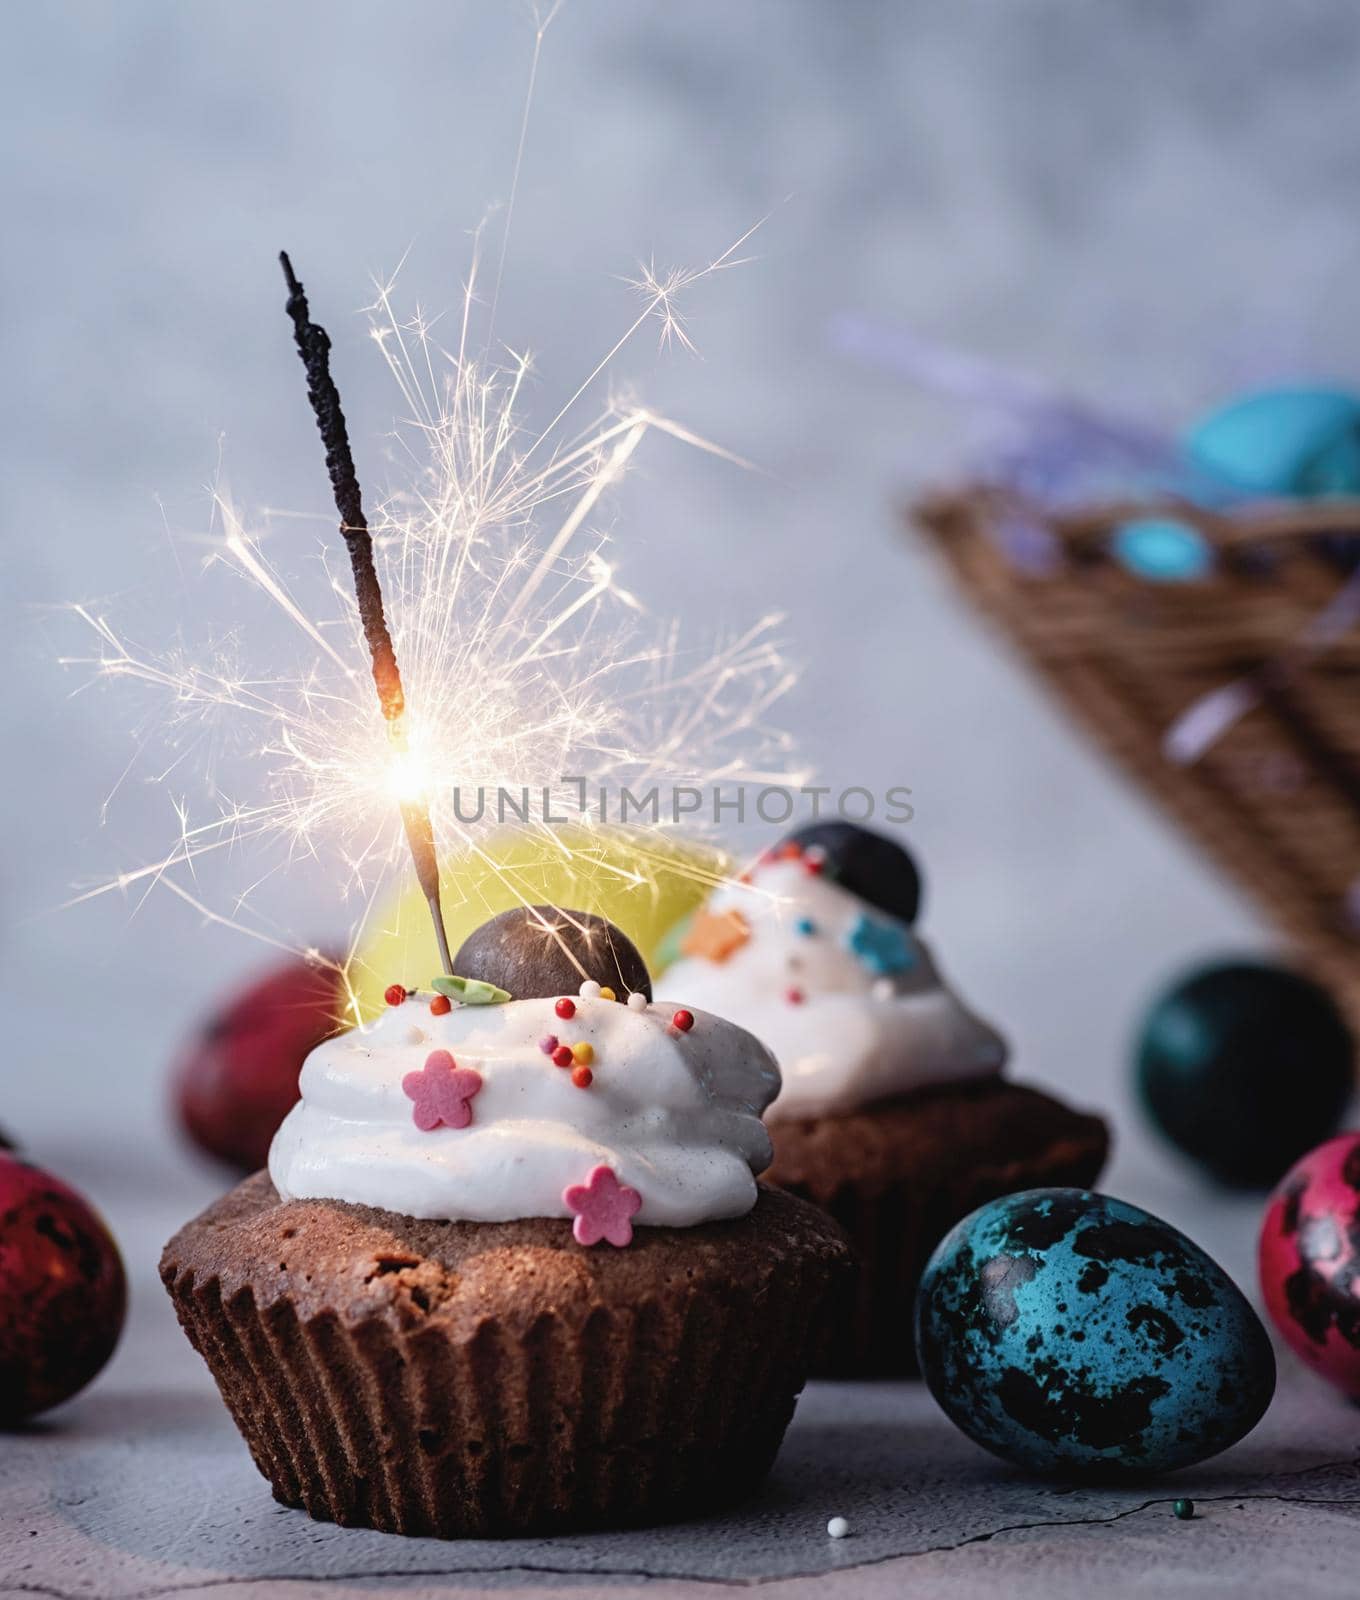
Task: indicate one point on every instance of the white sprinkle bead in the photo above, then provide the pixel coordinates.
(883, 989)
(637, 1001)
(837, 1528)
(589, 990)
(415, 1035)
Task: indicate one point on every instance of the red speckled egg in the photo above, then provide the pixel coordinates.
(1310, 1260)
(238, 1078)
(62, 1291)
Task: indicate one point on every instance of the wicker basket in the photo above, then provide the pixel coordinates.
(1234, 698)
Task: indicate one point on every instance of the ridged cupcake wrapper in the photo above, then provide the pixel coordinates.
(637, 1415)
(893, 1232)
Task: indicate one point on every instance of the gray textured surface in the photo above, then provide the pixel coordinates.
(1151, 202)
(164, 1500)
(142, 1488)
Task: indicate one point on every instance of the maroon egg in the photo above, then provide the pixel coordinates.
(1310, 1260)
(238, 1078)
(62, 1291)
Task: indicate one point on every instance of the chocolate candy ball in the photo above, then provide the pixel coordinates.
(1245, 1066)
(237, 1078)
(62, 1291)
(643, 888)
(544, 950)
(875, 868)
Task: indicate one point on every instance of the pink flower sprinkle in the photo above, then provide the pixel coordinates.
(443, 1092)
(604, 1208)
(548, 1043)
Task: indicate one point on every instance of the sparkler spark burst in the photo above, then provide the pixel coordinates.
(524, 659)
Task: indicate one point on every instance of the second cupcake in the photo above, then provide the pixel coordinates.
(893, 1115)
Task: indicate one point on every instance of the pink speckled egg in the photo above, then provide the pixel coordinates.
(1310, 1260)
(62, 1291)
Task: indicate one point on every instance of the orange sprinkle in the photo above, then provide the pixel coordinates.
(582, 1077)
(440, 1005)
(715, 935)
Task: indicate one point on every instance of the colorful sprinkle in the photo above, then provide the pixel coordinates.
(565, 1009)
(562, 1056)
(795, 997)
(395, 994)
(606, 993)
(442, 1091)
(883, 989)
(806, 926)
(583, 1053)
(837, 1528)
(582, 1077)
(637, 1001)
(789, 852)
(715, 935)
(1183, 1510)
(604, 1208)
(440, 1006)
(814, 860)
(883, 947)
(589, 990)
(548, 1043)
(684, 1020)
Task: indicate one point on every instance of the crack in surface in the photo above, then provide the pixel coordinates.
(647, 1575)
(1118, 1516)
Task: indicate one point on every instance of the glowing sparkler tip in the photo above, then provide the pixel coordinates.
(408, 778)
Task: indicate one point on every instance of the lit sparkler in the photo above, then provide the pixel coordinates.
(314, 346)
(523, 658)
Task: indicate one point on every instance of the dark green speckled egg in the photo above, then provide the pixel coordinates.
(1075, 1334)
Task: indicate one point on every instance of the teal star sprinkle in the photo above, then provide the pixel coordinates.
(881, 946)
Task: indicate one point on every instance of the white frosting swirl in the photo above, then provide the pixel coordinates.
(676, 1115)
(844, 1033)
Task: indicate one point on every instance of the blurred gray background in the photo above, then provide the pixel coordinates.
(1146, 203)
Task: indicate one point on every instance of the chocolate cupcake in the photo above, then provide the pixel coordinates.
(893, 1115)
(510, 1270)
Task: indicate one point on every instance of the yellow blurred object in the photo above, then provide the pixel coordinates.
(643, 884)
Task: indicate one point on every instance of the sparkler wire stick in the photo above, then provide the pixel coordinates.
(314, 348)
